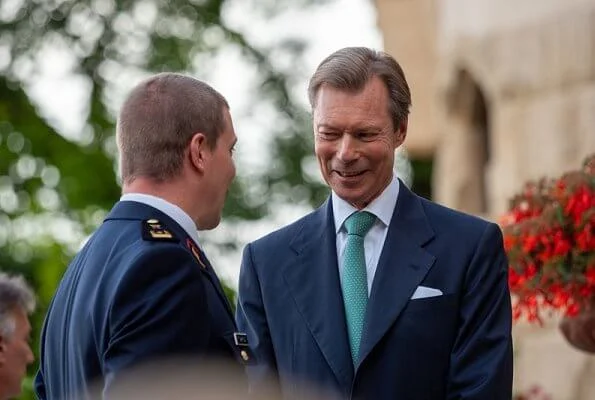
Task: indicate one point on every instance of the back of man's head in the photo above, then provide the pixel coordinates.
(16, 301)
(159, 118)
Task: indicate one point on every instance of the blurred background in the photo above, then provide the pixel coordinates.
(503, 92)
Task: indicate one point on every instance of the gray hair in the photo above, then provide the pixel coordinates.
(351, 68)
(14, 294)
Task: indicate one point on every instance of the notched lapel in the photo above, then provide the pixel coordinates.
(313, 280)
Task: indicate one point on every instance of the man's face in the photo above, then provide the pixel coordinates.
(15, 355)
(220, 172)
(355, 141)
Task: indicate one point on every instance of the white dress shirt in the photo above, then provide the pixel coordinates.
(382, 207)
(169, 209)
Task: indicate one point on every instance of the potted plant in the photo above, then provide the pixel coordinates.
(549, 237)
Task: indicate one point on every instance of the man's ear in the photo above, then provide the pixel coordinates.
(197, 151)
(401, 131)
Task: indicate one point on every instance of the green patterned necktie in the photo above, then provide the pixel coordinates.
(355, 280)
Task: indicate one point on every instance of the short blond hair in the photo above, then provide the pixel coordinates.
(157, 122)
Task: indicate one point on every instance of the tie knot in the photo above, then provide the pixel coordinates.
(359, 223)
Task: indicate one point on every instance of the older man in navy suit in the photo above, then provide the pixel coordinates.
(142, 290)
(378, 294)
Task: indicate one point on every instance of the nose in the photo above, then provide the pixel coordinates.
(347, 149)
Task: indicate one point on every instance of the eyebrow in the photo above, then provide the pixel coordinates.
(367, 128)
(326, 126)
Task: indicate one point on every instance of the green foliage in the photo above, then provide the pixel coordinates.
(51, 186)
(422, 176)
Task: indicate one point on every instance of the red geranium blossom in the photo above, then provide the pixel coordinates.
(549, 237)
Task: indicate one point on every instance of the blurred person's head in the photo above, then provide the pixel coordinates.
(175, 138)
(190, 378)
(360, 104)
(16, 302)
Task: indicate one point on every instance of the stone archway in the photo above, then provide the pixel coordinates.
(463, 153)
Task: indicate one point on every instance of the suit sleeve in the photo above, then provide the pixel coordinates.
(159, 310)
(251, 318)
(481, 359)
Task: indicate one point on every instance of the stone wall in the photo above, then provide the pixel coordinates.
(409, 31)
(539, 84)
(515, 78)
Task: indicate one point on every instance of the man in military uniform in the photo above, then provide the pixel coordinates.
(142, 290)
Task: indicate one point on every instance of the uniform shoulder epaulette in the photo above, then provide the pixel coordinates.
(154, 230)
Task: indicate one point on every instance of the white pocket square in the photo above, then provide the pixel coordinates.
(423, 292)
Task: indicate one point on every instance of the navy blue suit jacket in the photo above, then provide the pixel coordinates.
(128, 298)
(454, 346)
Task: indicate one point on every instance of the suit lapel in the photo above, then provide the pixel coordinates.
(402, 266)
(313, 280)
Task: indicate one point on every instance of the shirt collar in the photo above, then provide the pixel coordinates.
(170, 209)
(382, 207)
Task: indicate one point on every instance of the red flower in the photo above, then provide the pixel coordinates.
(549, 237)
(529, 243)
(572, 310)
(561, 247)
(590, 276)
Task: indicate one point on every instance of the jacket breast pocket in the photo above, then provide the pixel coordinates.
(428, 325)
(436, 304)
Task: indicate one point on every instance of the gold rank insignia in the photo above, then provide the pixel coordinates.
(195, 252)
(153, 229)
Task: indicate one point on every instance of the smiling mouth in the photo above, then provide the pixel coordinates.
(349, 174)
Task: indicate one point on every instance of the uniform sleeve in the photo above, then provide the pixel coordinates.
(482, 360)
(159, 310)
(251, 318)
